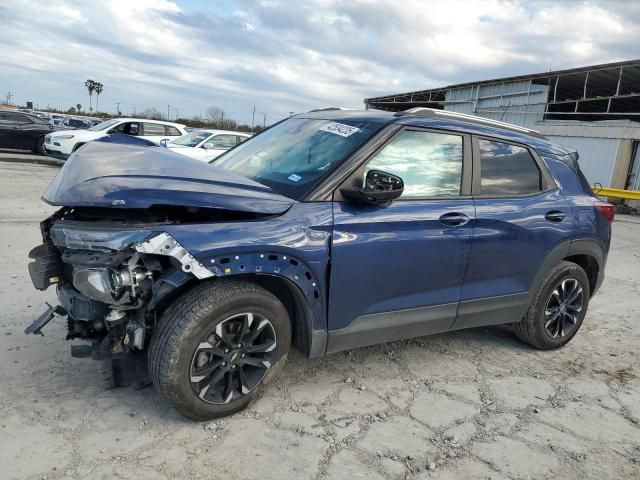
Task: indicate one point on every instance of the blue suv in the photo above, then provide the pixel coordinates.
(328, 231)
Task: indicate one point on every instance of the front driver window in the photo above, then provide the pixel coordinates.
(430, 164)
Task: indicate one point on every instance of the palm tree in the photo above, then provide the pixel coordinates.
(91, 85)
(97, 86)
(79, 107)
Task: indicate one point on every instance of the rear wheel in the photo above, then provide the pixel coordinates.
(39, 146)
(558, 308)
(216, 345)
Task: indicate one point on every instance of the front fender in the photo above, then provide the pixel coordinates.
(294, 246)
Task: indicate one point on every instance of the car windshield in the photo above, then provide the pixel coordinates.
(191, 139)
(103, 125)
(293, 156)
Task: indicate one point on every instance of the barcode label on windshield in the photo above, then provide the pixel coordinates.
(340, 129)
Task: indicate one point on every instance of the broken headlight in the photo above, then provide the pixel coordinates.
(107, 285)
(100, 284)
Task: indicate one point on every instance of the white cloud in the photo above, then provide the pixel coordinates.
(291, 56)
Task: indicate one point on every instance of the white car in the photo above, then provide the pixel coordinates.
(63, 143)
(205, 145)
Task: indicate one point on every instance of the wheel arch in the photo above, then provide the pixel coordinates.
(587, 253)
(304, 339)
(590, 265)
(591, 256)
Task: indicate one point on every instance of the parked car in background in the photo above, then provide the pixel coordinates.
(56, 119)
(76, 123)
(328, 231)
(206, 145)
(23, 131)
(64, 142)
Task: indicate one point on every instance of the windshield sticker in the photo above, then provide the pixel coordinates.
(340, 129)
(294, 178)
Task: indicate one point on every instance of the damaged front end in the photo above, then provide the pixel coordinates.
(112, 275)
(106, 250)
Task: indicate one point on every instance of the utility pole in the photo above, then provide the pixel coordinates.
(264, 120)
(176, 113)
(253, 117)
(168, 107)
(118, 108)
(9, 95)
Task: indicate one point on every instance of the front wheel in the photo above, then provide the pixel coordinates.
(558, 308)
(215, 346)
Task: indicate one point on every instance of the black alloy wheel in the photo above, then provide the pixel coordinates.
(557, 309)
(563, 308)
(232, 360)
(217, 345)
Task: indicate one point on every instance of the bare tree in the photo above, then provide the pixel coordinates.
(151, 113)
(216, 115)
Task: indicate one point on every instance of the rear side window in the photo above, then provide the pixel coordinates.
(14, 118)
(173, 131)
(507, 170)
(223, 141)
(153, 129)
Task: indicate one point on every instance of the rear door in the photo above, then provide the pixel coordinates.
(16, 131)
(7, 130)
(521, 218)
(397, 270)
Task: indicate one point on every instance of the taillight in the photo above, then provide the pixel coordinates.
(607, 210)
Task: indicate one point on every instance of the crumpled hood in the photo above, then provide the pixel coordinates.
(125, 176)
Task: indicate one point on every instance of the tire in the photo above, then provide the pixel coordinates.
(205, 317)
(533, 328)
(76, 147)
(38, 149)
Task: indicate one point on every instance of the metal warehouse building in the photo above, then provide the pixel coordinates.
(594, 110)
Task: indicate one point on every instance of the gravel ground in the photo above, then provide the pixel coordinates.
(466, 405)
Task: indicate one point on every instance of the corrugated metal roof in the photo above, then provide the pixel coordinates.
(550, 73)
(602, 129)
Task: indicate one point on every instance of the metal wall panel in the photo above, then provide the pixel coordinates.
(520, 103)
(597, 156)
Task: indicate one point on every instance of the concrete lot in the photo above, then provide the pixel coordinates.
(24, 156)
(465, 405)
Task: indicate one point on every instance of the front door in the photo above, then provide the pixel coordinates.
(397, 270)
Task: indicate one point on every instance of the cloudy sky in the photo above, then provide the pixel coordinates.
(290, 56)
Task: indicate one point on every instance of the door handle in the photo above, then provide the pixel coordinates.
(555, 216)
(454, 219)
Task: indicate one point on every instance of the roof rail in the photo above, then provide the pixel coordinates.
(328, 109)
(433, 112)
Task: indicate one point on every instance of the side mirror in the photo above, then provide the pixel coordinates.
(163, 142)
(208, 146)
(380, 188)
